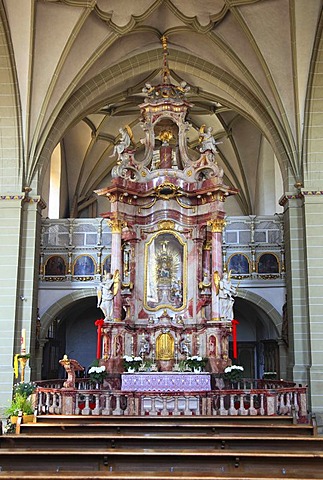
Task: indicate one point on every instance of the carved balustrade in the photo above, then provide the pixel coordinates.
(284, 400)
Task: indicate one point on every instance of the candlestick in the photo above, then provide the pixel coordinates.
(23, 362)
(23, 342)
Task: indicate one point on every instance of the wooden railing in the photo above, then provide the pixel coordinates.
(253, 398)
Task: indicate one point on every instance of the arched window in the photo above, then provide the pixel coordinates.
(55, 182)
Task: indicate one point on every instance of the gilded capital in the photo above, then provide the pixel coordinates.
(116, 225)
(217, 225)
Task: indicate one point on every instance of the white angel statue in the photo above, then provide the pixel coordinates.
(126, 138)
(207, 140)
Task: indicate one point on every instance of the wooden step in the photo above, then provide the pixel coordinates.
(220, 462)
(190, 448)
(45, 475)
(174, 439)
(282, 420)
(191, 425)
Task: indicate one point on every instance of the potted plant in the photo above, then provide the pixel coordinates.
(195, 363)
(20, 404)
(97, 374)
(233, 373)
(131, 364)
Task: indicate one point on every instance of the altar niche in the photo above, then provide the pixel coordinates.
(165, 272)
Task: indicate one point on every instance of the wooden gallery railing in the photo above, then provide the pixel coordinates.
(249, 397)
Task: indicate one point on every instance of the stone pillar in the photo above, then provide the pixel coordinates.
(217, 226)
(19, 261)
(296, 286)
(313, 202)
(116, 225)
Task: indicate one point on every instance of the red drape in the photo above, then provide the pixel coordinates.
(99, 323)
(234, 338)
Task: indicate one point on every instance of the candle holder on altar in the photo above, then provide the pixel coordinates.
(23, 359)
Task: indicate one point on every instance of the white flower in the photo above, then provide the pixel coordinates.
(137, 359)
(128, 358)
(97, 369)
(233, 367)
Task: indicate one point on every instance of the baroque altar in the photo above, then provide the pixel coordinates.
(166, 296)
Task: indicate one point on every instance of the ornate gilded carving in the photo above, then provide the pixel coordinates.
(111, 197)
(166, 191)
(165, 346)
(183, 205)
(217, 225)
(116, 225)
(207, 245)
(166, 225)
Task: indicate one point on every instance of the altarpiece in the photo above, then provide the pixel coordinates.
(168, 294)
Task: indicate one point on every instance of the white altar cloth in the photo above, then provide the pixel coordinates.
(166, 382)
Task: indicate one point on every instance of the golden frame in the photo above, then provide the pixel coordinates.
(260, 255)
(79, 257)
(178, 244)
(239, 273)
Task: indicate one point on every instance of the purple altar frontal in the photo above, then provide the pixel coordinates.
(166, 382)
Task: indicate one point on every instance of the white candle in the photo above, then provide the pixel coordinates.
(23, 342)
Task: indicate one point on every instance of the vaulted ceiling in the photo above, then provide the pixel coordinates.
(81, 64)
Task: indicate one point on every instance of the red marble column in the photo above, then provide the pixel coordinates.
(217, 226)
(206, 263)
(116, 263)
(165, 157)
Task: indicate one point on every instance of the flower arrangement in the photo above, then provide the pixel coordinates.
(131, 362)
(195, 362)
(233, 373)
(24, 388)
(97, 374)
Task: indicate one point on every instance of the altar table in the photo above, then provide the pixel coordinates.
(166, 382)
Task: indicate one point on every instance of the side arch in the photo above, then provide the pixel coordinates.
(61, 305)
(265, 306)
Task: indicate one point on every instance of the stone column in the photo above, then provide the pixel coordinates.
(217, 226)
(313, 203)
(296, 287)
(116, 225)
(19, 260)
